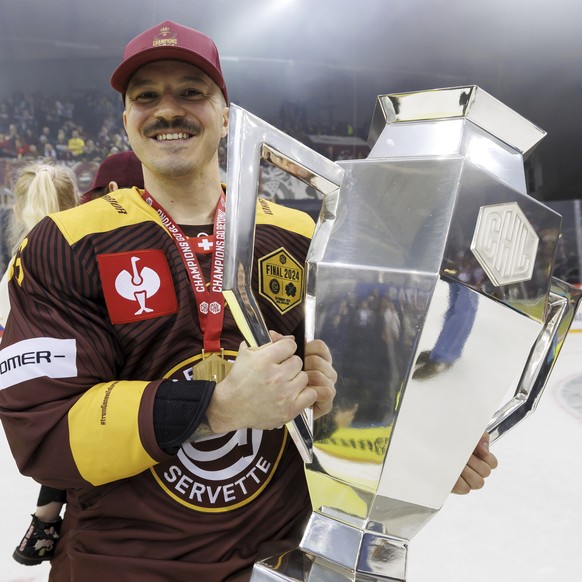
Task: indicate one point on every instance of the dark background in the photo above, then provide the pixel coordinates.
(333, 57)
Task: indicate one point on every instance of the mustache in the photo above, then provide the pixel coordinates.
(175, 125)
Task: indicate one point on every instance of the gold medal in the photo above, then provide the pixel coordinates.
(212, 367)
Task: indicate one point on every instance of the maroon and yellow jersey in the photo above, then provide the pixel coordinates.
(102, 312)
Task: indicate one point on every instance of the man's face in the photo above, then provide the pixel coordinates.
(175, 117)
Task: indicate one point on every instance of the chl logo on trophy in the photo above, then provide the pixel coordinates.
(281, 279)
(505, 243)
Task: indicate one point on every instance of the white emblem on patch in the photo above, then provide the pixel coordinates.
(138, 285)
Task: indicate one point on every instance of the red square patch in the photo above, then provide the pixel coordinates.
(137, 285)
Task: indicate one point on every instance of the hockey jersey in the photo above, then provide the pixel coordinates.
(102, 312)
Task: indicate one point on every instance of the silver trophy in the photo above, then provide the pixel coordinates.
(250, 141)
(430, 278)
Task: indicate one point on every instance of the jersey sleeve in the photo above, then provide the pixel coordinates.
(70, 421)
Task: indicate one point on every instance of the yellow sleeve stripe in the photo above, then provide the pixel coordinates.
(104, 432)
(287, 218)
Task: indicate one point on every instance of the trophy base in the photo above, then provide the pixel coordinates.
(333, 551)
(299, 566)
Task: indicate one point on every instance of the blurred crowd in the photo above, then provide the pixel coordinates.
(85, 127)
(88, 126)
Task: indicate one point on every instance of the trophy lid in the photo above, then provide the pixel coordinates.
(469, 102)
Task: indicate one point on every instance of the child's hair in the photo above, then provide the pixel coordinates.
(41, 188)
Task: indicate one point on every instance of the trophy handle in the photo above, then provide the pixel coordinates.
(562, 306)
(251, 140)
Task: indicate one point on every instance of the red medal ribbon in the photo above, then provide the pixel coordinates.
(210, 301)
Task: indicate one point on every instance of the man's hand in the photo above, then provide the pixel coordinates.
(477, 469)
(268, 387)
(321, 376)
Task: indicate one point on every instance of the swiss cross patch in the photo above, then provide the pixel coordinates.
(281, 279)
(137, 285)
(202, 245)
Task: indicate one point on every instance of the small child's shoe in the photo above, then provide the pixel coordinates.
(39, 542)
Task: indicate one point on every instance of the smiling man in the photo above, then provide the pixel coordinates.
(161, 423)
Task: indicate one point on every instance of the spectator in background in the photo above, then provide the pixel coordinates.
(62, 146)
(40, 189)
(46, 132)
(32, 152)
(91, 151)
(76, 144)
(49, 151)
(22, 148)
(7, 147)
(121, 170)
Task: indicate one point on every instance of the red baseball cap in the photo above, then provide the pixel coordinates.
(123, 168)
(169, 41)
